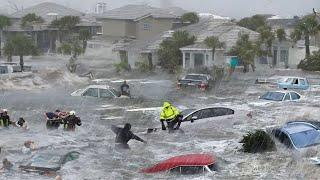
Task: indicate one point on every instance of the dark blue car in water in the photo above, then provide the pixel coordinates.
(298, 134)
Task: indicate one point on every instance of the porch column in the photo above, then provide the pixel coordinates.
(191, 60)
(278, 58)
(183, 60)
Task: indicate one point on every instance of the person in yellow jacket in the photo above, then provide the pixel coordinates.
(171, 115)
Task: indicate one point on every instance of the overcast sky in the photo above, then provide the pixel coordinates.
(231, 8)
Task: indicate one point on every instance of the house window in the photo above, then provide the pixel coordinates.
(263, 60)
(187, 60)
(146, 26)
(284, 56)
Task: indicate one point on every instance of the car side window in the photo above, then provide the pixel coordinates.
(302, 82)
(188, 170)
(221, 112)
(93, 92)
(294, 96)
(295, 81)
(105, 93)
(284, 139)
(287, 97)
(196, 114)
(205, 113)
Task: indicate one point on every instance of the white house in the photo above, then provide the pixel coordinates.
(200, 55)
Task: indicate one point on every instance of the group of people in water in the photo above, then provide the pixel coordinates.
(54, 120)
(5, 120)
(68, 119)
(170, 117)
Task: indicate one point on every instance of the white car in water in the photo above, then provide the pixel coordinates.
(97, 91)
(207, 117)
(277, 96)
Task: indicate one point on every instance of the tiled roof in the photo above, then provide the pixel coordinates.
(48, 11)
(133, 12)
(284, 23)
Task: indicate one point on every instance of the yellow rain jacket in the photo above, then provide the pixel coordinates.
(168, 112)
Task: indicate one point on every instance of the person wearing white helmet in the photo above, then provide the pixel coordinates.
(5, 118)
(70, 122)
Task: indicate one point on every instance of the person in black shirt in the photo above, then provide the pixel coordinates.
(5, 118)
(124, 89)
(124, 135)
(70, 122)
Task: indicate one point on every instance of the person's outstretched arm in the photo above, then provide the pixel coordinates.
(115, 129)
(138, 138)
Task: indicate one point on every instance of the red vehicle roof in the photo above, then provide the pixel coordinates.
(184, 160)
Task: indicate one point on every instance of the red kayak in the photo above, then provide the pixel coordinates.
(184, 161)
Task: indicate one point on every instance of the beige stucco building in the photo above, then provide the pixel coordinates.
(138, 21)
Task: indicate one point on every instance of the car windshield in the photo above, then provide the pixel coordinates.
(187, 111)
(273, 96)
(288, 80)
(305, 138)
(115, 92)
(196, 77)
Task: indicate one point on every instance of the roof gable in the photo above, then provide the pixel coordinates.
(48, 11)
(134, 12)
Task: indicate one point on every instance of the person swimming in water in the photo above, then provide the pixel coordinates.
(124, 135)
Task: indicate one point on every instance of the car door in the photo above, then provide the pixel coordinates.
(295, 83)
(294, 96)
(199, 115)
(303, 84)
(209, 113)
(91, 92)
(106, 93)
(287, 97)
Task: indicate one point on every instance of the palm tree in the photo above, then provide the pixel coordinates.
(8, 50)
(21, 46)
(170, 56)
(84, 35)
(246, 51)
(306, 27)
(214, 43)
(4, 22)
(281, 34)
(31, 19)
(191, 17)
(266, 37)
(74, 49)
(65, 24)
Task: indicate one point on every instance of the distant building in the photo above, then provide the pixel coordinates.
(194, 56)
(45, 36)
(101, 8)
(138, 21)
(287, 54)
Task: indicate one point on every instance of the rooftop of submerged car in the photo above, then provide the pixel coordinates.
(295, 128)
(99, 86)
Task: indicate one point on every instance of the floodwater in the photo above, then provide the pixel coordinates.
(95, 141)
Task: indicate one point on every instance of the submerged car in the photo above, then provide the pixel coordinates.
(97, 91)
(193, 115)
(281, 96)
(185, 164)
(298, 134)
(294, 83)
(201, 81)
(277, 96)
(48, 162)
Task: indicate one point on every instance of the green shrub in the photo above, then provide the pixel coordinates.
(256, 142)
(122, 66)
(312, 63)
(143, 66)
